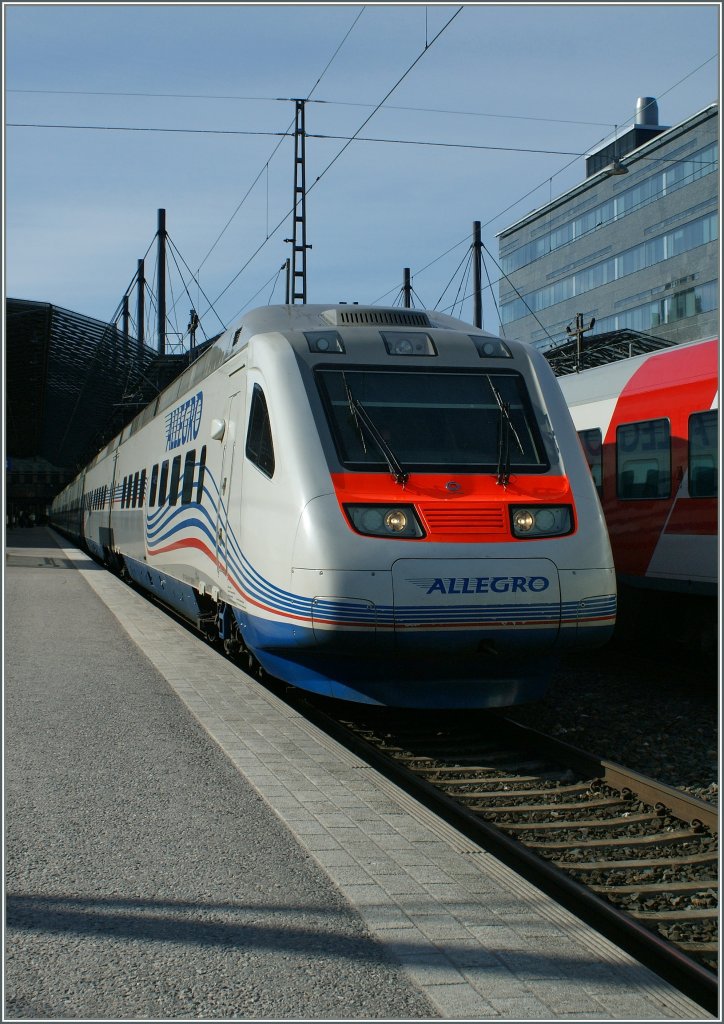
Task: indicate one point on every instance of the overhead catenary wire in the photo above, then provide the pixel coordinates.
(357, 137)
(309, 135)
(401, 79)
(276, 148)
(334, 160)
(321, 102)
(198, 285)
(353, 138)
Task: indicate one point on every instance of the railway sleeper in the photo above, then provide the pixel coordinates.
(451, 761)
(663, 887)
(442, 747)
(548, 782)
(508, 794)
(546, 808)
(700, 948)
(472, 769)
(549, 826)
(660, 839)
(710, 857)
(673, 915)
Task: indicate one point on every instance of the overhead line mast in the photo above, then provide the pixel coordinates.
(298, 275)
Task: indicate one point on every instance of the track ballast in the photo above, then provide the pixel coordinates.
(636, 859)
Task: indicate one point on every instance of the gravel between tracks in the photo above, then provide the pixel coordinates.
(656, 713)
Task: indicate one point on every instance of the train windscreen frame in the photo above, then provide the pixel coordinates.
(432, 420)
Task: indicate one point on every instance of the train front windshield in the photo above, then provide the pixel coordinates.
(432, 421)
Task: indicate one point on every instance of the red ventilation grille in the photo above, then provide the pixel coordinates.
(468, 520)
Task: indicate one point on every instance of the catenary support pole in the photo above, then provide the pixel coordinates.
(140, 296)
(477, 276)
(161, 290)
(407, 288)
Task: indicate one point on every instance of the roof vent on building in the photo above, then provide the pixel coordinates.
(645, 127)
(647, 110)
(377, 317)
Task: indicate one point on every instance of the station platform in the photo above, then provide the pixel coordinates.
(181, 845)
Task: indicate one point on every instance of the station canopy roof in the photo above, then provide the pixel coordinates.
(72, 382)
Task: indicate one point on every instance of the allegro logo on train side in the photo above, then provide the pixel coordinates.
(183, 422)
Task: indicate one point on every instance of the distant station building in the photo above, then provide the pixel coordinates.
(634, 247)
(72, 383)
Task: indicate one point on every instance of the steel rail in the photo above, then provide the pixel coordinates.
(646, 946)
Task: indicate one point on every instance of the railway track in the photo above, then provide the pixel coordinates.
(636, 859)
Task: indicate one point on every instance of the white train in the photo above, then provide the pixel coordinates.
(380, 505)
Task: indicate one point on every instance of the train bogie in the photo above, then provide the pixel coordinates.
(386, 506)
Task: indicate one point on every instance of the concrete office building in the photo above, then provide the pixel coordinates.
(634, 246)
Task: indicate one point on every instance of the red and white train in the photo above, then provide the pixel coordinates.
(649, 426)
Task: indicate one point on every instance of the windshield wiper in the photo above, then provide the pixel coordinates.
(362, 417)
(505, 429)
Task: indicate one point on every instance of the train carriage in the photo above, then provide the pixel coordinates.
(380, 505)
(650, 428)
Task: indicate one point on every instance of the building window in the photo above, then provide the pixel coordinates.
(664, 182)
(643, 460)
(638, 257)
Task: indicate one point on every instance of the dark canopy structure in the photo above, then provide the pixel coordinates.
(602, 348)
(72, 383)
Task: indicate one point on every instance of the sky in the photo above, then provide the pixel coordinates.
(486, 112)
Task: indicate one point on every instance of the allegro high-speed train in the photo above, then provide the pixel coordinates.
(380, 505)
(650, 428)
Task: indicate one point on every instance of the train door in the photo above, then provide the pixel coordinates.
(228, 509)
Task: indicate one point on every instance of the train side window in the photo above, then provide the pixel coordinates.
(134, 494)
(704, 454)
(175, 477)
(592, 442)
(154, 485)
(123, 492)
(163, 484)
(643, 460)
(202, 472)
(142, 488)
(259, 445)
(188, 481)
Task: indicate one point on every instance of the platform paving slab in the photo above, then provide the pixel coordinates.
(475, 939)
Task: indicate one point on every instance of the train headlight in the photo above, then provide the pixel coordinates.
(541, 520)
(396, 521)
(329, 342)
(384, 520)
(522, 521)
